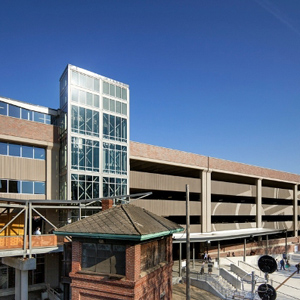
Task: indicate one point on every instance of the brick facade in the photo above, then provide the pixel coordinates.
(155, 283)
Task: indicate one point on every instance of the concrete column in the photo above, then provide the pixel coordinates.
(258, 203)
(206, 201)
(295, 210)
(21, 266)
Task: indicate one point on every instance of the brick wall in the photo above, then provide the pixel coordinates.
(149, 285)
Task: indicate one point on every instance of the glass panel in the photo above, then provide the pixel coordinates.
(89, 121)
(82, 80)
(3, 186)
(81, 155)
(14, 150)
(96, 123)
(124, 109)
(96, 85)
(105, 158)
(27, 187)
(74, 190)
(3, 108)
(118, 92)
(105, 125)
(118, 107)
(82, 97)
(112, 91)
(81, 120)
(89, 155)
(124, 93)
(90, 83)
(3, 148)
(112, 105)
(75, 95)
(38, 117)
(105, 87)
(14, 186)
(74, 118)
(96, 189)
(124, 130)
(105, 103)
(75, 79)
(39, 153)
(39, 188)
(14, 111)
(96, 101)
(89, 99)
(26, 114)
(27, 151)
(112, 127)
(118, 128)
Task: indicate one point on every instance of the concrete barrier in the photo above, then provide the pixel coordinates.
(232, 279)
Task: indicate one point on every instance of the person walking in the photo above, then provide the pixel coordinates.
(202, 268)
(298, 267)
(282, 265)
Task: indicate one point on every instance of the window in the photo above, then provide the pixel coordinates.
(3, 108)
(14, 111)
(22, 151)
(103, 258)
(114, 128)
(114, 186)
(84, 187)
(22, 187)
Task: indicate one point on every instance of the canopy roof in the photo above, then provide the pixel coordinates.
(224, 235)
(122, 222)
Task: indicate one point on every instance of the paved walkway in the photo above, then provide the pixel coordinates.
(179, 293)
(285, 282)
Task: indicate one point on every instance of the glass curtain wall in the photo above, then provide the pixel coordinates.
(94, 135)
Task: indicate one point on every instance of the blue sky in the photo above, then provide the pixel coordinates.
(217, 78)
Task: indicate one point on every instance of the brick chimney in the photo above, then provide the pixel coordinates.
(107, 204)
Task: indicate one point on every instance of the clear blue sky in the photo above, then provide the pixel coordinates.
(215, 77)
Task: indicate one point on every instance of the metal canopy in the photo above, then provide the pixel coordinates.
(224, 235)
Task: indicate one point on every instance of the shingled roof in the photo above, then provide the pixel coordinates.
(126, 222)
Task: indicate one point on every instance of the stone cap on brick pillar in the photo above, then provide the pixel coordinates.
(107, 204)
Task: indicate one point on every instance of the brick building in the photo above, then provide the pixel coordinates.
(121, 253)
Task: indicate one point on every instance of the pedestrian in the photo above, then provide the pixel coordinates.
(233, 254)
(284, 256)
(287, 265)
(282, 265)
(277, 264)
(37, 231)
(205, 256)
(210, 266)
(202, 268)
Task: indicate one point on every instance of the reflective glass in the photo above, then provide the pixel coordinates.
(82, 80)
(112, 126)
(14, 186)
(105, 87)
(124, 94)
(3, 108)
(38, 117)
(26, 114)
(82, 95)
(124, 109)
(14, 150)
(81, 120)
(39, 188)
(75, 95)
(75, 79)
(89, 156)
(14, 111)
(27, 151)
(89, 99)
(118, 129)
(118, 107)
(112, 90)
(96, 123)
(118, 92)
(96, 85)
(27, 187)
(90, 83)
(88, 121)
(74, 118)
(96, 159)
(96, 101)
(39, 153)
(124, 130)
(112, 105)
(3, 148)
(105, 125)
(3, 186)
(105, 103)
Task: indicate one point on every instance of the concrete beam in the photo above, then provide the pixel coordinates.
(20, 263)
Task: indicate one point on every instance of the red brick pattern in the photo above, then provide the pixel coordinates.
(13, 127)
(165, 155)
(133, 286)
(107, 204)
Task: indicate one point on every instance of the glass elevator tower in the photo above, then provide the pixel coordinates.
(94, 135)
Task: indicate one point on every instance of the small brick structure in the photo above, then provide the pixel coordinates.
(121, 253)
